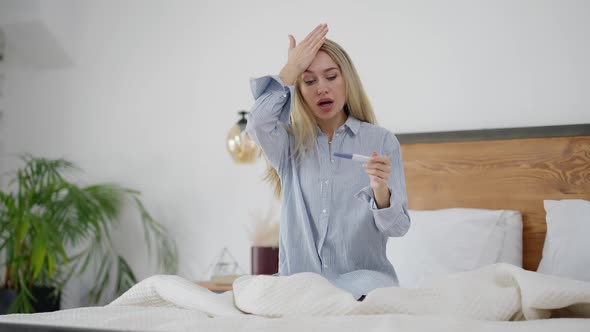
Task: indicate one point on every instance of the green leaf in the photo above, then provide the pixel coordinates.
(39, 252)
(125, 276)
(22, 229)
(50, 264)
(22, 303)
(102, 280)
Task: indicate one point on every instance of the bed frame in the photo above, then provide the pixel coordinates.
(512, 169)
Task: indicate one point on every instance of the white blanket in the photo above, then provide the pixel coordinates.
(498, 292)
(174, 291)
(495, 292)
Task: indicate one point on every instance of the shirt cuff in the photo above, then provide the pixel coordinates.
(366, 194)
(273, 85)
(386, 219)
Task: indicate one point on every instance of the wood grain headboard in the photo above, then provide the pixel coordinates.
(513, 169)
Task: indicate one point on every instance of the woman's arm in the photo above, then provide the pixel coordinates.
(272, 108)
(269, 115)
(387, 191)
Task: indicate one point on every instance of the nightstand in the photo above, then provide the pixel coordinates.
(217, 288)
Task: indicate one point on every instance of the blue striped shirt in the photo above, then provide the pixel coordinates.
(330, 224)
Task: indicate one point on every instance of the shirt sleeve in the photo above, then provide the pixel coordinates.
(395, 219)
(270, 116)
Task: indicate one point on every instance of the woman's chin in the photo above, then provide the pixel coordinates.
(325, 115)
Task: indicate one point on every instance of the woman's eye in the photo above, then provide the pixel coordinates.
(309, 82)
(331, 78)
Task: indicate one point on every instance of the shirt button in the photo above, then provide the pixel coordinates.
(326, 182)
(332, 160)
(324, 211)
(337, 134)
(325, 265)
(284, 95)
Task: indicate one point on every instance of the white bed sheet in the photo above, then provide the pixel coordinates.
(138, 318)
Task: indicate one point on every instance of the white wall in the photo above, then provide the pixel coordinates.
(156, 85)
(41, 34)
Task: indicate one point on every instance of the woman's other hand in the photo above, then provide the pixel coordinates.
(301, 56)
(379, 171)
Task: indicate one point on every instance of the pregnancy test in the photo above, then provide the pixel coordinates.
(355, 157)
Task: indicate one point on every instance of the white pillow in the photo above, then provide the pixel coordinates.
(441, 242)
(511, 224)
(566, 252)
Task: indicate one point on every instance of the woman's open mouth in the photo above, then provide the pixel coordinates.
(325, 104)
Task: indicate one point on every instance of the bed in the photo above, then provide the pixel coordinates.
(516, 169)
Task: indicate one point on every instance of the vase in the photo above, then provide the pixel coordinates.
(265, 260)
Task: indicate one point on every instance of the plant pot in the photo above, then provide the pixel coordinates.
(265, 260)
(7, 297)
(44, 299)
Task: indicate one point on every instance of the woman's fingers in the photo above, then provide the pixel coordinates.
(320, 37)
(378, 173)
(378, 165)
(318, 43)
(314, 32)
(314, 38)
(381, 159)
(292, 42)
(311, 34)
(378, 170)
(381, 163)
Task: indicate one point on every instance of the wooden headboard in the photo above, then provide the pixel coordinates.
(513, 169)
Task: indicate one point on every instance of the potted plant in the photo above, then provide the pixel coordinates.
(52, 229)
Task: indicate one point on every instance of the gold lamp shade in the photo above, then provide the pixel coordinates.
(240, 146)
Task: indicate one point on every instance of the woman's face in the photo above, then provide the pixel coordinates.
(323, 88)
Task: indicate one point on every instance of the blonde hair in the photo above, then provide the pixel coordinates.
(303, 122)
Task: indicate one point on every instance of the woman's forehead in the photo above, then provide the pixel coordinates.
(322, 63)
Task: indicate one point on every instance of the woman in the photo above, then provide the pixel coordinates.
(337, 214)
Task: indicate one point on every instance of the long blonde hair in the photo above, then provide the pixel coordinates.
(303, 122)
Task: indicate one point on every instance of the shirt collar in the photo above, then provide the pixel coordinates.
(353, 124)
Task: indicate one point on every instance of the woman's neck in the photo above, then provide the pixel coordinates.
(329, 126)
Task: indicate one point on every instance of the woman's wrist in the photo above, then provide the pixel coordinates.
(288, 75)
(382, 197)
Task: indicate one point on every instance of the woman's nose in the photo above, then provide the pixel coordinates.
(322, 88)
